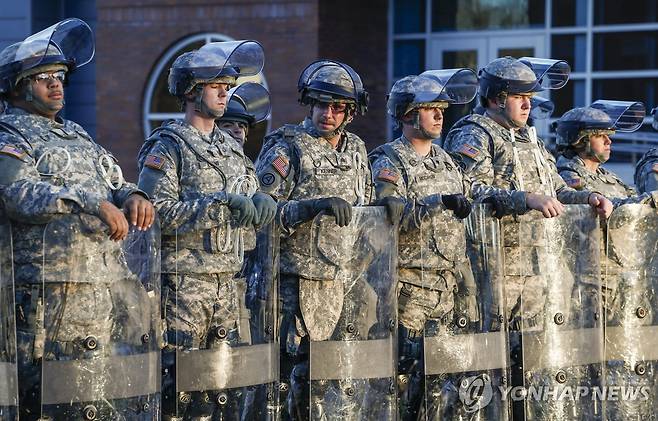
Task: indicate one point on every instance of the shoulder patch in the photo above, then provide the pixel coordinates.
(13, 151)
(387, 174)
(654, 167)
(468, 150)
(574, 182)
(281, 165)
(154, 161)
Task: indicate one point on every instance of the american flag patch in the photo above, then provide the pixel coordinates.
(13, 151)
(280, 164)
(389, 175)
(574, 183)
(469, 151)
(655, 167)
(154, 161)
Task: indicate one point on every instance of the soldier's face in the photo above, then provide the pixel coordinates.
(236, 129)
(517, 107)
(327, 117)
(214, 95)
(47, 93)
(431, 121)
(600, 146)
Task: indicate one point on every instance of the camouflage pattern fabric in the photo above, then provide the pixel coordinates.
(430, 268)
(510, 68)
(8, 352)
(188, 175)
(296, 163)
(52, 172)
(646, 172)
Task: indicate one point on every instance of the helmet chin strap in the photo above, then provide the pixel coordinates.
(416, 125)
(501, 112)
(40, 106)
(600, 158)
(201, 107)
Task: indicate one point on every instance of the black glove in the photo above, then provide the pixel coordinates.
(335, 206)
(458, 203)
(498, 208)
(265, 208)
(394, 208)
(242, 208)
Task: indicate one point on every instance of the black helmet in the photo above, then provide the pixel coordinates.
(332, 81)
(248, 103)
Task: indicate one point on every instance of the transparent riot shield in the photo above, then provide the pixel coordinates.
(631, 331)
(98, 330)
(466, 361)
(8, 377)
(221, 361)
(552, 286)
(350, 318)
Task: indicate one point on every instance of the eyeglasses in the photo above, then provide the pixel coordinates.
(335, 107)
(42, 77)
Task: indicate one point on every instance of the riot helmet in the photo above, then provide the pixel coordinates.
(248, 104)
(64, 46)
(430, 89)
(332, 81)
(216, 62)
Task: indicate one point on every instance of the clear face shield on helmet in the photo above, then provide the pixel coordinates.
(69, 42)
(627, 116)
(551, 74)
(654, 114)
(236, 58)
(460, 85)
(252, 99)
(541, 108)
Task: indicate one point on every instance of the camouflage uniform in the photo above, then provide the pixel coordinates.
(51, 169)
(430, 268)
(188, 174)
(295, 164)
(646, 172)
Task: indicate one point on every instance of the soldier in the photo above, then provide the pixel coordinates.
(316, 166)
(248, 105)
(65, 198)
(512, 168)
(434, 189)
(204, 189)
(646, 169)
(583, 144)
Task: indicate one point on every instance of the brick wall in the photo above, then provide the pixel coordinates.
(131, 37)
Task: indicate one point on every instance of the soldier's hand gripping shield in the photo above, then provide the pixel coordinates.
(626, 116)
(631, 275)
(221, 361)
(350, 318)
(551, 74)
(466, 360)
(553, 297)
(69, 43)
(8, 377)
(97, 325)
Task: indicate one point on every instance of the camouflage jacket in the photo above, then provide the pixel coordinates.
(399, 171)
(646, 172)
(52, 173)
(507, 163)
(296, 164)
(188, 176)
(576, 175)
